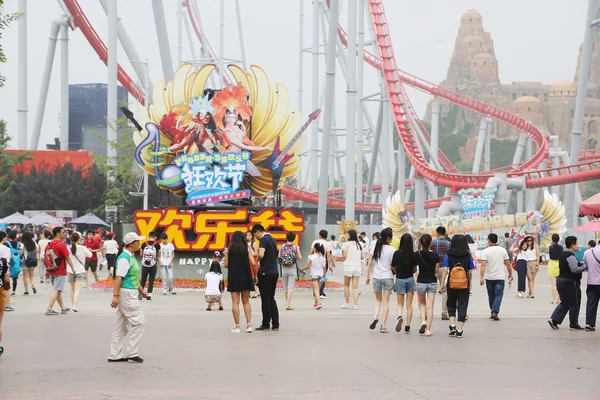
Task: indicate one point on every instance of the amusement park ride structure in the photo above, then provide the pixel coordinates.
(543, 165)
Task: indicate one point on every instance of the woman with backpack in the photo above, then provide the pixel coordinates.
(31, 254)
(289, 255)
(458, 264)
(79, 253)
(353, 256)
(380, 267)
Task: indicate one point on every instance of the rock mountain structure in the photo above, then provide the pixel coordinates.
(473, 71)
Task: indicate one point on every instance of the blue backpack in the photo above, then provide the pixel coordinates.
(15, 261)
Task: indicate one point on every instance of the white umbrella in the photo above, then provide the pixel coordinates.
(44, 218)
(16, 219)
(88, 219)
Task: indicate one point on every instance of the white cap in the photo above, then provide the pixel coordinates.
(132, 237)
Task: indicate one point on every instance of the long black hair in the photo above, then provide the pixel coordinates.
(406, 249)
(74, 239)
(386, 234)
(238, 243)
(425, 241)
(320, 249)
(459, 246)
(27, 240)
(353, 237)
(215, 267)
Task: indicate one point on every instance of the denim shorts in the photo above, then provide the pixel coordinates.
(406, 285)
(424, 288)
(380, 285)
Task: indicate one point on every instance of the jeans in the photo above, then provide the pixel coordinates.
(593, 296)
(570, 301)
(495, 289)
(149, 272)
(267, 285)
(167, 277)
(522, 275)
(458, 300)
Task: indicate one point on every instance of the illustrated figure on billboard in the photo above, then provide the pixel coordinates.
(232, 110)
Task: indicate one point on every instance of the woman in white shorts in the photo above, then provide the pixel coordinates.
(79, 254)
(380, 267)
(353, 256)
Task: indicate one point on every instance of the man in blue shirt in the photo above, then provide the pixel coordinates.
(441, 246)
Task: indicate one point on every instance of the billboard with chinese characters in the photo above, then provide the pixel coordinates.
(210, 178)
(477, 202)
(213, 145)
(210, 230)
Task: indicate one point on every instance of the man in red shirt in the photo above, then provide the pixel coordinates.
(58, 277)
(91, 262)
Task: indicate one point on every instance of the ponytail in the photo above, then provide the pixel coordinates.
(320, 249)
(385, 235)
(121, 248)
(425, 241)
(74, 240)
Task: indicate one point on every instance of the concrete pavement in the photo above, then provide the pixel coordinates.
(328, 354)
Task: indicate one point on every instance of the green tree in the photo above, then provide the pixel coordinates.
(8, 160)
(5, 20)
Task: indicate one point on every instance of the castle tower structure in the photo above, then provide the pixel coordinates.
(530, 108)
(560, 109)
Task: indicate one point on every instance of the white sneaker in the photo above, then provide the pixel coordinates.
(345, 306)
(520, 295)
(235, 329)
(75, 309)
(249, 329)
(355, 307)
(322, 296)
(428, 333)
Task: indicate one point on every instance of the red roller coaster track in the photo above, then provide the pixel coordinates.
(394, 79)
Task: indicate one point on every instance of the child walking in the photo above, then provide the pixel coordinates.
(214, 285)
(316, 264)
(218, 258)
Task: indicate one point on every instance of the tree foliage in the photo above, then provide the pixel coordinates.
(5, 20)
(8, 161)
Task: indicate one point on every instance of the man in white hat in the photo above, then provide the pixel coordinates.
(130, 318)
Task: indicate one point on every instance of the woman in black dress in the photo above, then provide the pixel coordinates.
(241, 278)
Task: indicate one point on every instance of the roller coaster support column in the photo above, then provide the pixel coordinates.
(22, 77)
(238, 14)
(130, 49)
(435, 129)
(111, 91)
(375, 154)
(449, 207)
(584, 73)
(480, 144)
(64, 87)
(517, 158)
(529, 194)
(300, 53)
(163, 39)
(188, 32)
(359, 95)
(419, 200)
(328, 109)
(39, 115)
(314, 139)
(221, 41)
(386, 140)
(487, 161)
(503, 183)
(401, 157)
(555, 163)
(351, 164)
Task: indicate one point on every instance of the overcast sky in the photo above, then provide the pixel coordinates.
(535, 40)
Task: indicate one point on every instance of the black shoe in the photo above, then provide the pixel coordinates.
(374, 323)
(136, 359)
(575, 328)
(495, 317)
(459, 334)
(1, 350)
(220, 308)
(553, 324)
(149, 298)
(140, 297)
(263, 328)
(118, 360)
(492, 316)
(275, 329)
(590, 328)
(34, 290)
(407, 329)
(423, 329)
(452, 330)
(25, 293)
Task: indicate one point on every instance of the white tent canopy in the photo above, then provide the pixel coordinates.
(16, 219)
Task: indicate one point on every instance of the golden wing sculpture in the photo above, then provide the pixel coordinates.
(395, 216)
(178, 99)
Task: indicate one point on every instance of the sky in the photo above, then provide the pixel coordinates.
(535, 40)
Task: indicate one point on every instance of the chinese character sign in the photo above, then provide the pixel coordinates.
(200, 143)
(211, 230)
(477, 202)
(212, 178)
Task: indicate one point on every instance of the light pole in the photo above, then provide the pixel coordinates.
(148, 97)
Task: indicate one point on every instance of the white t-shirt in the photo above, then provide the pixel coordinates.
(80, 254)
(111, 247)
(166, 253)
(318, 263)
(531, 255)
(495, 268)
(326, 245)
(353, 253)
(212, 283)
(42, 245)
(382, 268)
(5, 253)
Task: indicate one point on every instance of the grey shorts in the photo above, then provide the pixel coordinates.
(381, 285)
(288, 277)
(424, 288)
(58, 282)
(75, 278)
(406, 285)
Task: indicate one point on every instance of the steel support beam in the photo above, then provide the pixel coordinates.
(312, 183)
(64, 87)
(112, 96)
(163, 39)
(22, 108)
(351, 97)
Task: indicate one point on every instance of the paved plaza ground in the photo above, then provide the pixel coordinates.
(328, 354)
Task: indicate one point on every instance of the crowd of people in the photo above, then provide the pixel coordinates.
(441, 266)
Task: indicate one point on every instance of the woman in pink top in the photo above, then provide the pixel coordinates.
(592, 260)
